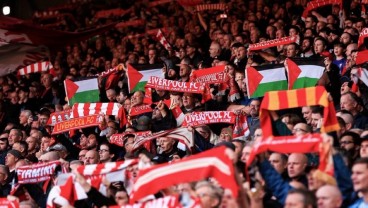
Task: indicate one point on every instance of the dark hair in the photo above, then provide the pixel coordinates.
(363, 160)
(309, 199)
(355, 136)
(317, 109)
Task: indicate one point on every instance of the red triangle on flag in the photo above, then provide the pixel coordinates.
(293, 72)
(134, 76)
(70, 88)
(254, 78)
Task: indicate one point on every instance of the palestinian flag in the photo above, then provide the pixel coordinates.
(138, 75)
(262, 79)
(84, 91)
(304, 72)
(361, 73)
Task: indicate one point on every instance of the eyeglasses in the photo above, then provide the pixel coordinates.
(102, 150)
(346, 142)
(224, 134)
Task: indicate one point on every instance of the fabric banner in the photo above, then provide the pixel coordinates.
(265, 78)
(138, 110)
(303, 72)
(278, 100)
(57, 117)
(176, 86)
(112, 171)
(181, 134)
(208, 117)
(205, 7)
(361, 74)
(214, 163)
(14, 56)
(37, 35)
(273, 43)
(211, 75)
(6, 203)
(138, 22)
(77, 123)
(82, 91)
(66, 194)
(318, 3)
(104, 168)
(362, 57)
(139, 74)
(241, 129)
(363, 34)
(286, 144)
(36, 173)
(106, 73)
(35, 68)
(87, 109)
(118, 139)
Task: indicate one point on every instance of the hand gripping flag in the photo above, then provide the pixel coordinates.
(214, 163)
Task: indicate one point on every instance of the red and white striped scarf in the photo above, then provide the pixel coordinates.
(208, 117)
(214, 163)
(161, 38)
(113, 171)
(86, 109)
(36, 67)
(363, 34)
(65, 194)
(181, 134)
(204, 7)
(318, 3)
(273, 43)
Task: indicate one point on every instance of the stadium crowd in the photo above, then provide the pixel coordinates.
(198, 39)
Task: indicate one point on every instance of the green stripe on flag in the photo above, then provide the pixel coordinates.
(90, 96)
(269, 86)
(140, 86)
(304, 82)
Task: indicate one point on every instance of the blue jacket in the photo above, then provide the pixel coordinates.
(357, 203)
(274, 181)
(281, 187)
(342, 176)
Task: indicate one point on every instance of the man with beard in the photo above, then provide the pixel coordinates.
(350, 141)
(307, 47)
(253, 117)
